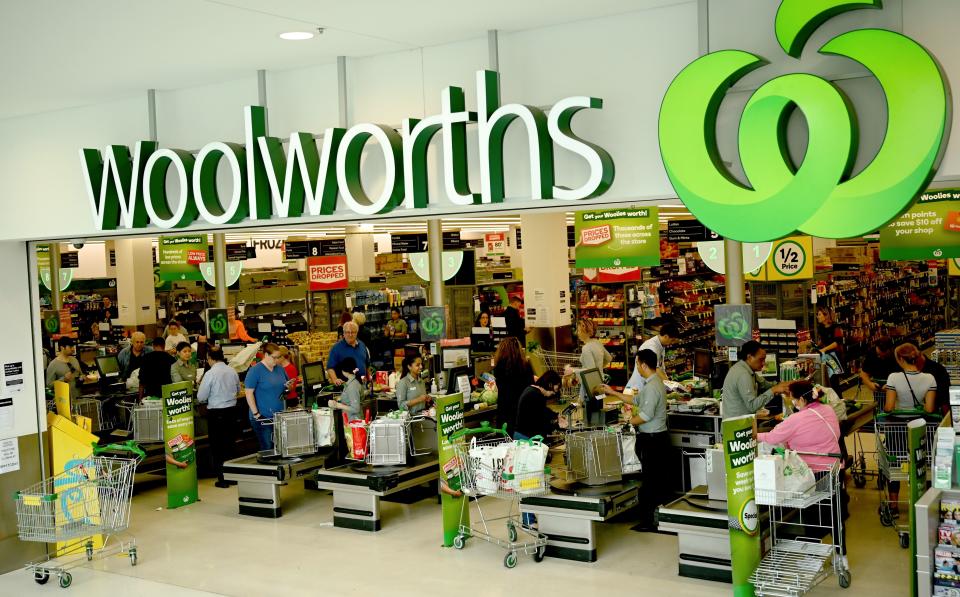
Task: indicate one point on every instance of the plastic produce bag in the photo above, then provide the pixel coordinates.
(628, 444)
(242, 360)
(323, 427)
(133, 382)
(525, 466)
(797, 476)
(487, 464)
(831, 399)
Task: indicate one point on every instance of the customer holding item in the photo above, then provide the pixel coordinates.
(218, 390)
(878, 364)
(513, 374)
(351, 397)
(910, 389)
(348, 347)
(265, 386)
(155, 370)
(533, 415)
(668, 334)
(130, 358)
(183, 369)
(174, 337)
(411, 392)
(65, 367)
(653, 438)
(744, 392)
(293, 399)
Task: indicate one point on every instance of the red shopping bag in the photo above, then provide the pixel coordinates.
(355, 433)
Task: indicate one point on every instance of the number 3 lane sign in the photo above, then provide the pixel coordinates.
(789, 258)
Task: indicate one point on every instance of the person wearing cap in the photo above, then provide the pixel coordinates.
(65, 367)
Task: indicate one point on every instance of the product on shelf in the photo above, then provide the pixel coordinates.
(313, 346)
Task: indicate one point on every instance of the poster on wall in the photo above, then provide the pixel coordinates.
(739, 452)
(181, 256)
(327, 273)
(449, 421)
(178, 444)
(495, 243)
(618, 238)
(929, 229)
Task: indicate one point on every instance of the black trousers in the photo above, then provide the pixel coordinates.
(653, 450)
(222, 430)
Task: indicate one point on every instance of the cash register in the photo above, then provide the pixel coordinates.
(109, 368)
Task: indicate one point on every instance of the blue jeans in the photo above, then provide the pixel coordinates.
(264, 434)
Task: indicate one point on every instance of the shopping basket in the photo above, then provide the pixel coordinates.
(147, 420)
(90, 498)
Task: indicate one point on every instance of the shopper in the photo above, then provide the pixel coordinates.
(831, 347)
(345, 316)
(183, 370)
(534, 417)
(516, 324)
(878, 365)
(513, 374)
(293, 398)
(411, 392)
(218, 390)
(396, 328)
(653, 438)
(942, 376)
(667, 335)
(363, 334)
(348, 347)
(593, 355)
(174, 337)
(130, 358)
(744, 392)
(265, 385)
(155, 370)
(910, 389)
(351, 398)
(65, 367)
(482, 321)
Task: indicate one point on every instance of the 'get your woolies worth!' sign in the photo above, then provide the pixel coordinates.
(268, 181)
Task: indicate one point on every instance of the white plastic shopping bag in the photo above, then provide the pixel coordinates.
(797, 476)
(525, 465)
(487, 464)
(323, 426)
(628, 445)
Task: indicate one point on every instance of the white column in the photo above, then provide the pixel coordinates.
(220, 268)
(733, 257)
(135, 289)
(546, 279)
(435, 256)
(361, 261)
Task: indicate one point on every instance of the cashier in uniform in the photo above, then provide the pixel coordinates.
(653, 438)
(744, 392)
(411, 392)
(669, 334)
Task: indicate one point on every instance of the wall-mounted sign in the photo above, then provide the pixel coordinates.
(519, 237)
(618, 238)
(819, 196)
(270, 181)
(929, 229)
(611, 275)
(70, 259)
(327, 273)
(181, 256)
(408, 243)
(495, 243)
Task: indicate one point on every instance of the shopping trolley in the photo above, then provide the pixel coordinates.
(90, 498)
(390, 440)
(566, 364)
(893, 457)
(795, 564)
(483, 464)
(293, 433)
(859, 470)
(90, 408)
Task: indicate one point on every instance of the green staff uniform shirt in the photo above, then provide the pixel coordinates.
(744, 392)
(408, 389)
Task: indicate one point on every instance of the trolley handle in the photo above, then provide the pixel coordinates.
(483, 428)
(127, 446)
(781, 451)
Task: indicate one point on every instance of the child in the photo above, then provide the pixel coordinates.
(352, 390)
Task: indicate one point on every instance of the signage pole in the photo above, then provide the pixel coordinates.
(435, 253)
(55, 296)
(220, 268)
(733, 251)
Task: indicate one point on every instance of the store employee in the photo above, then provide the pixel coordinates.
(351, 347)
(669, 334)
(744, 392)
(411, 391)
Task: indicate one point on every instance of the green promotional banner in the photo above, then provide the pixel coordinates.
(917, 443)
(181, 256)
(929, 229)
(618, 238)
(739, 451)
(178, 443)
(449, 421)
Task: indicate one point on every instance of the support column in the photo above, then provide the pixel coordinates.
(342, 91)
(220, 268)
(55, 294)
(733, 265)
(546, 280)
(435, 255)
(361, 261)
(135, 289)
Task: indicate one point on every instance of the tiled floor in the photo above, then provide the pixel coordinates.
(207, 548)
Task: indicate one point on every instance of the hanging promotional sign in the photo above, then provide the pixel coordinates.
(733, 324)
(270, 179)
(609, 275)
(495, 243)
(178, 444)
(739, 452)
(433, 324)
(232, 270)
(930, 229)
(218, 325)
(713, 253)
(181, 256)
(327, 273)
(819, 196)
(43, 268)
(450, 264)
(618, 238)
(917, 444)
(449, 421)
(790, 259)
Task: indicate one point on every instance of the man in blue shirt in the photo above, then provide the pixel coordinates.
(351, 347)
(218, 390)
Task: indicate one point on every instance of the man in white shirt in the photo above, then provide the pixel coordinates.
(174, 337)
(669, 334)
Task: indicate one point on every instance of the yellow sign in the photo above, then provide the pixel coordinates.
(953, 266)
(61, 397)
(790, 259)
(71, 445)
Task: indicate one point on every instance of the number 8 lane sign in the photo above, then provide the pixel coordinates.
(789, 258)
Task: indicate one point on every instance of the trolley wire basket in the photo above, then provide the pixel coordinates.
(90, 408)
(387, 442)
(595, 456)
(564, 363)
(90, 498)
(147, 419)
(422, 435)
(293, 433)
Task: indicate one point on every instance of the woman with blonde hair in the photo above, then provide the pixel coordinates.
(910, 389)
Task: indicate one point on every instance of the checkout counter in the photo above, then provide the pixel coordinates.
(259, 478)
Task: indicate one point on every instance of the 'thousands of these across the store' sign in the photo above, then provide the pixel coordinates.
(268, 181)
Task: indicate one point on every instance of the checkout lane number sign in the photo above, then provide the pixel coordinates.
(789, 258)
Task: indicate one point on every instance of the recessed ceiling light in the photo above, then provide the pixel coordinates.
(296, 35)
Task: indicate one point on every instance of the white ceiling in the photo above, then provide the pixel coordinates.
(64, 53)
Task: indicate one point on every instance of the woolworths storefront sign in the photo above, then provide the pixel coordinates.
(270, 181)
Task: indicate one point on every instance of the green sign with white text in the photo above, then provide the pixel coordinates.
(618, 237)
(917, 444)
(179, 444)
(181, 256)
(449, 421)
(739, 452)
(930, 229)
(819, 196)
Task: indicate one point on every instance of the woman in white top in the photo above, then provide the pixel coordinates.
(910, 389)
(593, 355)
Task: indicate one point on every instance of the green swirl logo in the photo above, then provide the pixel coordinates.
(218, 324)
(733, 327)
(818, 196)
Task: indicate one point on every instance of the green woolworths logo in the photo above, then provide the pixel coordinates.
(817, 197)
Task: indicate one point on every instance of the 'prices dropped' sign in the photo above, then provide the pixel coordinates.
(327, 273)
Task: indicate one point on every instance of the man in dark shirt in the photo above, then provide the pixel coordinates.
(516, 325)
(939, 373)
(155, 370)
(878, 364)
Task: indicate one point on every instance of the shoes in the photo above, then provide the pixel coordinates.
(231, 483)
(222, 484)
